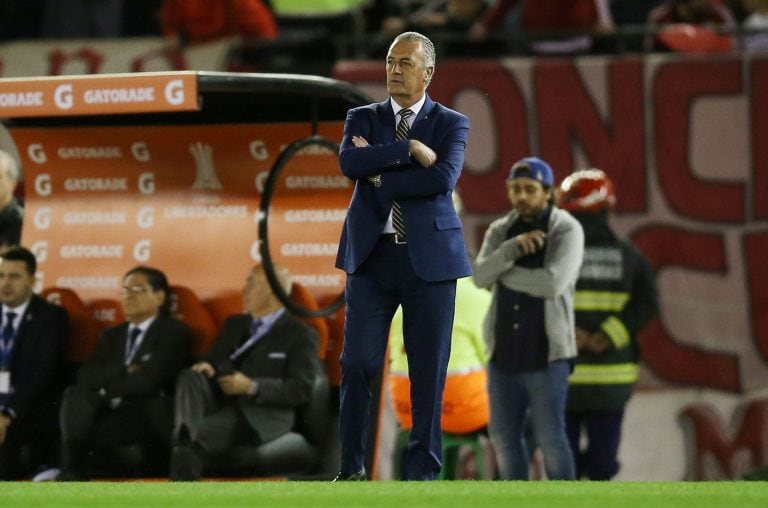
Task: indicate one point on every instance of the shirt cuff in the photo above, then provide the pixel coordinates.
(254, 388)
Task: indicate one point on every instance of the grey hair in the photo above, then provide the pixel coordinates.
(427, 48)
(9, 163)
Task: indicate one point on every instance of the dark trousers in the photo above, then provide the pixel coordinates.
(599, 461)
(373, 294)
(89, 423)
(213, 421)
(30, 445)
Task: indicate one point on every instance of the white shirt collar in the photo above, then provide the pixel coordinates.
(268, 320)
(20, 311)
(144, 325)
(415, 108)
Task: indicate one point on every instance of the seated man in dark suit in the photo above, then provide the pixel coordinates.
(249, 386)
(32, 347)
(123, 392)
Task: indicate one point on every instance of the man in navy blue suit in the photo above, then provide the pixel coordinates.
(401, 244)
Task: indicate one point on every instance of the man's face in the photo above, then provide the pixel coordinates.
(15, 282)
(527, 196)
(257, 293)
(7, 184)
(140, 301)
(407, 76)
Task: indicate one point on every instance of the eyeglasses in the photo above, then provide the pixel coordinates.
(134, 290)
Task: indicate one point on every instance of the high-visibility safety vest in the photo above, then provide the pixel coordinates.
(615, 294)
(465, 398)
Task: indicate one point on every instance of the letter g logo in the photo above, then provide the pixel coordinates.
(140, 151)
(43, 184)
(43, 218)
(37, 153)
(63, 96)
(142, 250)
(146, 217)
(147, 183)
(256, 251)
(40, 250)
(174, 92)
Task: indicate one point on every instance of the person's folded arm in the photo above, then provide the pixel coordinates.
(374, 159)
(562, 262)
(439, 178)
(497, 255)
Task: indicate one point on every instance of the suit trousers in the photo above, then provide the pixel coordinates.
(30, 444)
(384, 281)
(214, 421)
(88, 421)
(599, 460)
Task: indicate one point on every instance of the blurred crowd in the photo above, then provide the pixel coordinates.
(332, 29)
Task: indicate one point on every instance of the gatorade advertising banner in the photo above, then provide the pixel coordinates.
(98, 95)
(185, 199)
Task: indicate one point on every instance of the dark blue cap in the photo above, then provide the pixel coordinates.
(533, 168)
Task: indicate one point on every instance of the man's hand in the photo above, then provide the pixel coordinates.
(205, 369)
(5, 422)
(599, 342)
(133, 367)
(361, 142)
(421, 153)
(582, 339)
(532, 241)
(236, 383)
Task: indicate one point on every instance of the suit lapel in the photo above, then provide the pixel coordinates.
(420, 124)
(25, 326)
(150, 336)
(265, 340)
(387, 120)
(121, 341)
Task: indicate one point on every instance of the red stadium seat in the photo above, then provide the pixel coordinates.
(335, 340)
(302, 296)
(186, 306)
(106, 311)
(222, 306)
(83, 329)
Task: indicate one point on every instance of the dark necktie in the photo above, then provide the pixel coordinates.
(133, 335)
(8, 330)
(403, 129)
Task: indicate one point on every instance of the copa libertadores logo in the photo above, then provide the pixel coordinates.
(205, 174)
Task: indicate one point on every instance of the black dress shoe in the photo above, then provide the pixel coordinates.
(186, 465)
(360, 476)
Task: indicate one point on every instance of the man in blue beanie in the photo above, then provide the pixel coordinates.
(530, 260)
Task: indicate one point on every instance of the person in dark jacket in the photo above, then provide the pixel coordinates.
(124, 391)
(615, 298)
(32, 346)
(247, 389)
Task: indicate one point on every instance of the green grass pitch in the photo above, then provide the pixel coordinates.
(439, 494)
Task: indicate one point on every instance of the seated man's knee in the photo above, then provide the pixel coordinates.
(189, 378)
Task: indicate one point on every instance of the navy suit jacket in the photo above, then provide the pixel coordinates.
(37, 361)
(435, 241)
